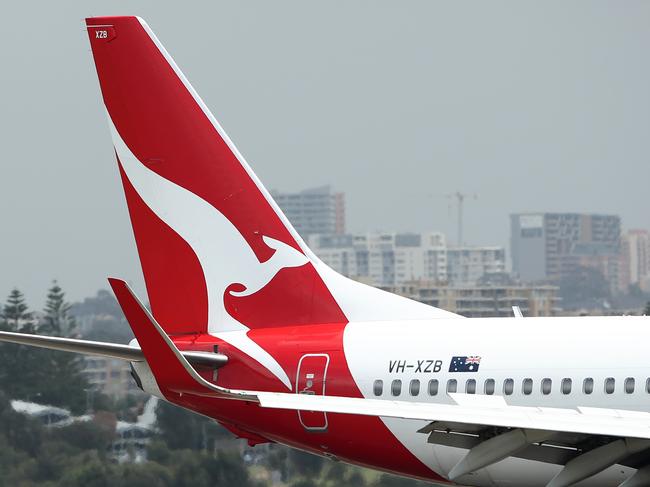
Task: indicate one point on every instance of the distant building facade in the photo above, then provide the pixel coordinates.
(468, 265)
(314, 211)
(109, 376)
(550, 246)
(384, 259)
(635, 260)
(390, 259)
(484, 301)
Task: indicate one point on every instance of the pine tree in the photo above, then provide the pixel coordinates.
(60, 377)
(18, 367)
(57, 320)
(15, 314)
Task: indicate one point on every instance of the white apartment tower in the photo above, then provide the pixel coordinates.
(384, 259)
(392, 259)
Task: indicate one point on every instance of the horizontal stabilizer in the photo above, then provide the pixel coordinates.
(104, 349)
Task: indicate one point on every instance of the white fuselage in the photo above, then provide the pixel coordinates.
(542, 362)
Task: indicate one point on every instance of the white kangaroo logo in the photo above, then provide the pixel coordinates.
(224, 254)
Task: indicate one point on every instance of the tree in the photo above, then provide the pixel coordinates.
(60, 380)
(17, 372)
(585, 286)
(306, 463)
(646, 310)
(387, 480)
(57, 320)
(184, 429)
(15, 313)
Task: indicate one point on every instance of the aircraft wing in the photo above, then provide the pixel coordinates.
(474, 410)
(584, 440)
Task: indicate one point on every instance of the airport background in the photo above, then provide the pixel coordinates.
(67, 420)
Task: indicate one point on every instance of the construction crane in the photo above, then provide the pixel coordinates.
(460, 201)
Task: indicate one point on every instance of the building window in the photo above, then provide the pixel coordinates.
(547, 385)
(566, 386)
(489, 387)
(396, 387)
(588, 385)
(629, 385)
(433, 387)
(414, 388)
(527, 386)
(470, 386)
(610, 385)
(452, 386)
(508, 387)
(378, 387)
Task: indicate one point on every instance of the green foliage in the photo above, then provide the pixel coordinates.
(186, 452)
(304, 483)
(36, 374)
(57, 320)
(584, 287)
(387, 480)
(18, 369)
(85, 436)
(146, 475)
(91, 471)
(182, 429)
(305, 463)
(61, 381)
(15, 313)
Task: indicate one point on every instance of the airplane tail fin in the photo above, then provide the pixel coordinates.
(217, 253)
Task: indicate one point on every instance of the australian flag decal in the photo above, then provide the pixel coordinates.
(464, 364)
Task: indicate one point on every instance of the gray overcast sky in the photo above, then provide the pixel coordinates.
(531, 105)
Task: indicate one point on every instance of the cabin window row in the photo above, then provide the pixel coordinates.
(508, 388)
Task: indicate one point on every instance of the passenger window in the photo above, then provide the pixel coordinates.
(470, 386)
(452, 385)
(629, 385)
(588, 385)
(566, 386)
(527, 386)
(396, 387)
(547, 384)
(647, 385)
(433, 387)
(378, 387)
(414, 388)
(610, 385)
(489, 387)
(508, 386)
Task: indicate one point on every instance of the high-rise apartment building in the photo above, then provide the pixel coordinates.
(384, 259)
(549, 246)
(635, 260)
(467, 265)
(312, 211)
(389, 259)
